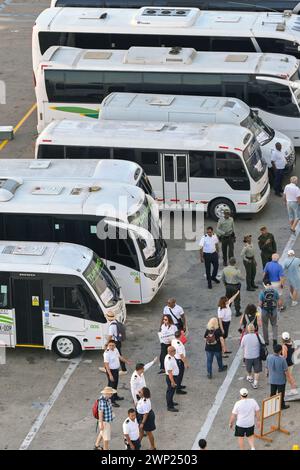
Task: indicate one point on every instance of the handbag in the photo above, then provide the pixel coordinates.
(263, 350)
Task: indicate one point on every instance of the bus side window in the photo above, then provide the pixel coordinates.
(75, 152)
(98, 152)
(272, 97)
(68, 300)
(121, 250)
(281, 46)
(124, 154)
(234, 44)
(77, 86)
(229, 165)
(4, 290)
(201, 164)
(51, 151)
(94, 310)
(149, 161)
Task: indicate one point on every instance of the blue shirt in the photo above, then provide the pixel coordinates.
(274, 271)
(276, 366)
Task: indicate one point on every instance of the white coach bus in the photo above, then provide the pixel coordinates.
(104, 28)
(217, 165)
(71, 83)
(55, 165)
(55, 296)
(200, 109)
(244, 5)
(112, 219)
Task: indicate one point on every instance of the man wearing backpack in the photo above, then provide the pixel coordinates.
(116, 332)
(268, 301)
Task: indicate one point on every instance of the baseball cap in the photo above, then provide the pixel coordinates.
(291, 252)
(244, 392)
(285, 336)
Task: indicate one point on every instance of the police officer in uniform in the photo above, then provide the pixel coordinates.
(131, 431)
(225, 232)
(137, 381)
(181, 360)
(231, 277)
(172, 373)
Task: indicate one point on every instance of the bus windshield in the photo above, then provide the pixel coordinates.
(144, 218)
(102, 282)
(255, 124)
(254, 162)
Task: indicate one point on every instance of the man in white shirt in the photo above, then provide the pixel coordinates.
(131, 431)
(244, 412)
(291, 197)
(176, 313)
(137, 381)
(172, 373)
(112, 360)
(209, 254)
(279, 162)
(113, 334)
(181, 360)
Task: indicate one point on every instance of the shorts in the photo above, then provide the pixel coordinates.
(293, 210)
(277, 286)
(106, 433)
(241, 432)
(254, 364)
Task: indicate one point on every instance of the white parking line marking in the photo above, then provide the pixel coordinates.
(221, 394)
(48, 405)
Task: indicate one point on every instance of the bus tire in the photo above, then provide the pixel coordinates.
(66, 347)
(217, 206)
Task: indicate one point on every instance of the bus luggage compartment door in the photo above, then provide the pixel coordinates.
(28, 300)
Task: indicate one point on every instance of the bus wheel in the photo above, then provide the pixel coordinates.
(217, 207)
(67, 347)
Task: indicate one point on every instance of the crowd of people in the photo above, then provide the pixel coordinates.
(254, 322)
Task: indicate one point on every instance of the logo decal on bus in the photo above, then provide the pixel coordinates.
(84, 112)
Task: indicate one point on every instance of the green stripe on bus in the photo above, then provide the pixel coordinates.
(6, 320)
(86, 112)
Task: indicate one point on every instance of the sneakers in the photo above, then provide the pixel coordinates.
(173, 410)
(209, 376)
(102, 369)
(249, 379)
(293, 391)
(116, 405)
(223, 368)
(285, 407)
(162, 371)
(215, 280)
(254, 385)
(181, 392)
(294, 303)
(123, 372)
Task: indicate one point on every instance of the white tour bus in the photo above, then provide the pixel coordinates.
(218, 165)
(112, 219)
(243, 5)
(156, 27)
(73, 82)
(55, 296)
(55, 165)
(200, 109)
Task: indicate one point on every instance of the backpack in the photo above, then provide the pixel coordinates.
(211, 338)
(269, 302)
(95, 409)
(121, 330)
(263, 350)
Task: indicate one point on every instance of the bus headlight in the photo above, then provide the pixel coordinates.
(255, 197)
(153, 277)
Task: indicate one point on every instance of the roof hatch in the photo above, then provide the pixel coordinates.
(236, 58)
(161, 100)
(47, 190)
(32, 250)
(97, 55)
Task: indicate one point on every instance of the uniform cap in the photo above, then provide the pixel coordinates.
(285, 336)
(244, 392)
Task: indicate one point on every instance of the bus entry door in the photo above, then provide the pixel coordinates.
(28, 300)
(175, 178)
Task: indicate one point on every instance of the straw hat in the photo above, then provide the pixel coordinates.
(108, 391)
(110, 315)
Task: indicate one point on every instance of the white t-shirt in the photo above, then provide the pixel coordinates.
(180, 348)
(131, 428)
(167, 333)
(171, 365)
(279, 159)
(143, 406)
(176, 314)
(291, 192)
(245, 410)
(209, 243)
(112, 330)
(113, 358)
(225, 313)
